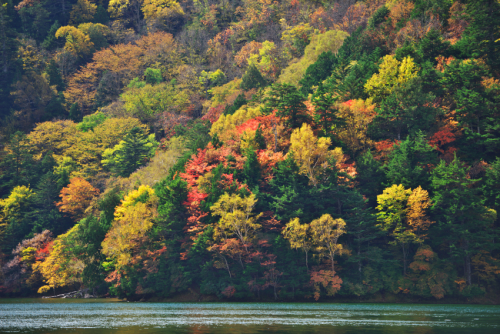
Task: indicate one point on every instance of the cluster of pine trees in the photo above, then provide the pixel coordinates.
(250, 149)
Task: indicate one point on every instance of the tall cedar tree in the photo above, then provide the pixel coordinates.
(463, 222)
(289, 105)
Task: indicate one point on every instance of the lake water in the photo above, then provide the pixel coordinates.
(104, 316)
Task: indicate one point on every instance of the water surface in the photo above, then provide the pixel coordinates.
(107, 317)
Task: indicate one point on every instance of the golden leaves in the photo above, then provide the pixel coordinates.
(357, 115)
(77, 42)
(404, 213)
(298, 235)
(13, 205)
(161, 8)
(226, 124)
(321, 234)
(236, 217)
(392, 74)
(312, 154)
(60, 268)
(325, 232)
(63, 139)
(329, 41)
(122, 63)
(418, 204)
(133, 219)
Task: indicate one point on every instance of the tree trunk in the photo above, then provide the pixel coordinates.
(467, 270)
(307, 265)
(275, 139)
(227, 266)
(332, 256)
(359, 260)
(241, 262)
(404, 258)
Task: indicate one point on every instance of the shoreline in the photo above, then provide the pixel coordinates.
(190, 298)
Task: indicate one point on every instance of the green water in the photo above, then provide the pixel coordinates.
(104, 316)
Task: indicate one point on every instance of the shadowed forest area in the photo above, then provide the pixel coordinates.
(251, 149)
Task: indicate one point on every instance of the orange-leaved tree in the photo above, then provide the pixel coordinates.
(76, 197)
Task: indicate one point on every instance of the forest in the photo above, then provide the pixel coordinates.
(307, 150)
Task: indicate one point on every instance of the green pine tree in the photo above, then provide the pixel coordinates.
(8, 49)
(55, 78)
(132, 152)
(153, 76)
(252, 78)
(409, 163)
(463, 222)
(251, 168)
(238, 102)
(407, 110)
(325, 111)
(74, 113)
(18, 165)
(480, 39)
(370, 177)
(288, 103)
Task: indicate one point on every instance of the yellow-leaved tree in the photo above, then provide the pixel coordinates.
(417, 214)
(357, 116)
(65, 140)
(392, 74)
(151, 9)
(56, 137)
(147, 101)
(221, 94)
(60, 268)
(120, 64)
(126, 9)
(83, 11)
(325, 232)
(161, 8)
(266, 60)
(299, 236)
(329, 41)
(312, 153)
(236, 218)
(12, 206)
(133, 219)
(403, 213)
(77, 42)
(225, 125)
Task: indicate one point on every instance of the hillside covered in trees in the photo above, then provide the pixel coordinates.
(250, 149)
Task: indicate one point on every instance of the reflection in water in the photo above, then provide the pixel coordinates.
(105, 317)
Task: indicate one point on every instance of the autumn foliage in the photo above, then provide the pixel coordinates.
(250, 150)
(76, 197)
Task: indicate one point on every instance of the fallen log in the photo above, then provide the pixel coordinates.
(84, 293)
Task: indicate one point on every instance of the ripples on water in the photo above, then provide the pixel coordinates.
(73, 316)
